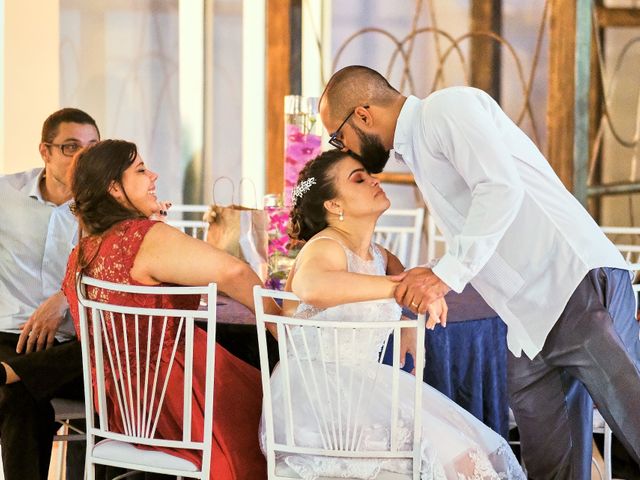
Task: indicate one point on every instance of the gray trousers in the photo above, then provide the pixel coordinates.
(592, 352)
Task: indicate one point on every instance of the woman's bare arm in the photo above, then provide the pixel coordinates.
(321, 278)
(168, 255)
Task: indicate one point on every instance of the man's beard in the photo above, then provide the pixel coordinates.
(373, 155)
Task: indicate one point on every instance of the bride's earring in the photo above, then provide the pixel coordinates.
(341, 216)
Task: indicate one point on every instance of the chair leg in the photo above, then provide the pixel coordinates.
(89, 467)
(607, 452)
(62, 448)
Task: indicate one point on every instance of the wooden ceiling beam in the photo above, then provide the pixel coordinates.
(618, 17)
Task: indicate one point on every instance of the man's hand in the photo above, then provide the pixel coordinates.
(39, 332)
(419, 288)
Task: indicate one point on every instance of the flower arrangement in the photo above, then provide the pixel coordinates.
(302, 142)
(281, 251)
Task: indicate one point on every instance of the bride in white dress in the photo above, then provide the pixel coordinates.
(338, 275)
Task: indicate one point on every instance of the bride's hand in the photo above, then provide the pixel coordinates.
(437, 313)
(408, 345)
(161, 212)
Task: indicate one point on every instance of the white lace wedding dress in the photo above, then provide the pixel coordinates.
(455, 445)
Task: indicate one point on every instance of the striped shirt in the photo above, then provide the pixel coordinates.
(36, 238)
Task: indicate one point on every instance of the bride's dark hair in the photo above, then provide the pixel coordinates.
(308, 215)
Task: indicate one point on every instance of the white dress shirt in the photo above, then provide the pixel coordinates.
(512, 229)
(36, 238)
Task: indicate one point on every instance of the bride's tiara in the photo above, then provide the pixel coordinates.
(302, 188)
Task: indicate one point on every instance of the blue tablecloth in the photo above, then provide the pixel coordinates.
(467, 360)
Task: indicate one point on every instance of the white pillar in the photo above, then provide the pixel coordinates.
(30, 86)
(253, 99)
(316, 46)
(191, 70)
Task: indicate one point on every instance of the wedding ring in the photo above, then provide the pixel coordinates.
(414, 304)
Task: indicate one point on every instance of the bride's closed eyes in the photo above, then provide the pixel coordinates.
(357, 176)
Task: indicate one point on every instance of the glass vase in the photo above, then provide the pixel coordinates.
(302, 138)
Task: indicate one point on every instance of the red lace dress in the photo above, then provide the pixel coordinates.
(237, 393)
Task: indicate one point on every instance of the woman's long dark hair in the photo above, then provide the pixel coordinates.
(93, 172)
(308, 215)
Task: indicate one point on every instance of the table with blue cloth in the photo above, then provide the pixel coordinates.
(467, 359)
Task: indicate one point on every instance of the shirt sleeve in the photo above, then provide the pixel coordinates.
(469, 138)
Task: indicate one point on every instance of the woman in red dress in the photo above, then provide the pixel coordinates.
(115, 199)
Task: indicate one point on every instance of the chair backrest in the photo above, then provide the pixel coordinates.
(325, 362)
(126, 348)
(188, 218)
(436, 243)
(627, 240)
(400, 232)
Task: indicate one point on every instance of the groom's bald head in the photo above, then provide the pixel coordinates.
(354, 86)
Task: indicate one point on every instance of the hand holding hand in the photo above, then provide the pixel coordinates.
(161, 212)
(420, 288)
(39, 332)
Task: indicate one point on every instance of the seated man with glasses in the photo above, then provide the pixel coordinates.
(39, 356)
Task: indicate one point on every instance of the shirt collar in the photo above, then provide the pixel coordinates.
(32, 187)
(405, 123)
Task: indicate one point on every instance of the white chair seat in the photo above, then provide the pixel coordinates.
(123, 452)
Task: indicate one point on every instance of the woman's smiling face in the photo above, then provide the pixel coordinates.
(138, 188)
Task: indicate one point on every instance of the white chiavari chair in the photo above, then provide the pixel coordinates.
(188, 218)
(127, 362)
(326, 355)
(627, 240)
(400, 232)
(436, 244)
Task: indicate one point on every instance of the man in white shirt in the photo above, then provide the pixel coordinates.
(527, 246)
(39, 356)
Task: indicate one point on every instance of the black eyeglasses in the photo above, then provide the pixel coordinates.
(334, 141)
(67, 149)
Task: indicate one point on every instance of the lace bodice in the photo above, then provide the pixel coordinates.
(365, 344)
